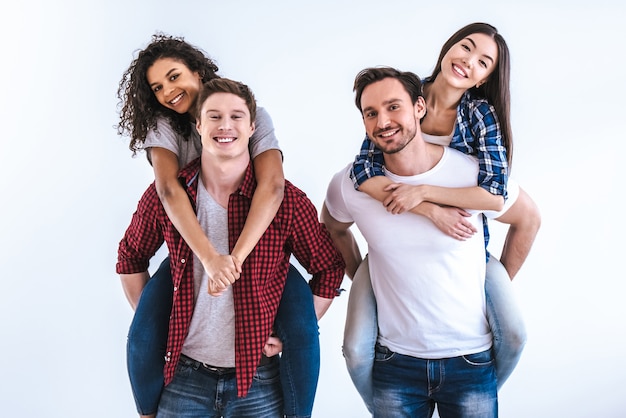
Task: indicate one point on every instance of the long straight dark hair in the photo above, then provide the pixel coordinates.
(496, 89)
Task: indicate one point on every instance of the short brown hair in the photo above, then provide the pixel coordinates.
(225, 85)
(411, 82)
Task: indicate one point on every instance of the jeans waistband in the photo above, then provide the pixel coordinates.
(218, 370)
(198, 365)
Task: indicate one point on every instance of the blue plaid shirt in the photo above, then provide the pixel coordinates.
(476, 132)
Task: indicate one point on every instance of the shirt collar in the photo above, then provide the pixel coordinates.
(188, 177)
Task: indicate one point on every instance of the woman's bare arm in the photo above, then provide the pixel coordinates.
(449, 219)
(404, 197)
(268, 196)
(220, 268)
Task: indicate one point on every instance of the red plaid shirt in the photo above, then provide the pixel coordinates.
(295, 230)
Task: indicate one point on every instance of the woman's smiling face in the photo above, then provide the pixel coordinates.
(469, 62)
(174, 84)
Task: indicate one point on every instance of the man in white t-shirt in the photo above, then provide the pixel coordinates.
(434, 342)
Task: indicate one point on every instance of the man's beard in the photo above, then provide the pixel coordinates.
(399, 147)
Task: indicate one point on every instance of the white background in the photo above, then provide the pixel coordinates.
(68, 184)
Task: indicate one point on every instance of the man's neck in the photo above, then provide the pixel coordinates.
(221, 178)
(416, 158)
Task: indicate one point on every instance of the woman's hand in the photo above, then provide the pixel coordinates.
(402, 197)
(451, 221)
(223, 270)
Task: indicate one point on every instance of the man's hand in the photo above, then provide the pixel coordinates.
(272, 347)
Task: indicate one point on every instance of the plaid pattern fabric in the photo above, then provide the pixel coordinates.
(476, 132)
(295, 230)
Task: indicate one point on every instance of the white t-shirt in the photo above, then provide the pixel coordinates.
(512, 187)
(187, 150)
(429, 287)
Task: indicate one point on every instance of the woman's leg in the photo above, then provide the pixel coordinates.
(296, 326)
(147, 339)
(505, 320)
(360, 333)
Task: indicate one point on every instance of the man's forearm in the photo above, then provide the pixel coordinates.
(524, 219)
(516, 247)
(133, 285)
(321, 305)
(344, 241)
(347, 246)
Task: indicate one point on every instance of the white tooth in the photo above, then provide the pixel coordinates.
(176, 99)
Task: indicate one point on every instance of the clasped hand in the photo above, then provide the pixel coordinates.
(223, 270)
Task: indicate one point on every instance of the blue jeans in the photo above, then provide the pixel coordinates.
(196, 392)
(360, 333)
(147, 340)
(460, 387)
(361, 329)
(505, 319)
(295, 324)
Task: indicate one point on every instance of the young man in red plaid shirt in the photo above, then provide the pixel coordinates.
(220, 358)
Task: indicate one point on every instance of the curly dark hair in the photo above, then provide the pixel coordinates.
(139, 108)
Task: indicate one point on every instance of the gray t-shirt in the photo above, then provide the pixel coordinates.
(164, 136)
(211, 337)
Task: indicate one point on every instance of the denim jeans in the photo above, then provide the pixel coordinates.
(295, 323)
(505, 320)
(360, 333)
(460, 387)
(196, 392)
(296, 326)
(361, 329)
(147, 339)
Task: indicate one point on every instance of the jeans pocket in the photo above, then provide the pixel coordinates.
(382, 353)
(184, 368)
(268, 373)
(484, 358)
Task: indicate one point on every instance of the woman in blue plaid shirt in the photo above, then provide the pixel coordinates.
(468, 108)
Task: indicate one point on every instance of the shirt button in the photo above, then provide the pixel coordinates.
(175, 288)
(182, 260)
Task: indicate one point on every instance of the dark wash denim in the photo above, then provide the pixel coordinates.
(361, 331)
(460, 387)
(295, 324)
(147, 339)
(196, 392)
